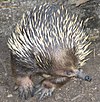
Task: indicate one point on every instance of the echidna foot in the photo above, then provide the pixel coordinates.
(25, 88)
(44, 91)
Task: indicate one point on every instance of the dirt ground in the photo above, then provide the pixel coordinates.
(75, 90)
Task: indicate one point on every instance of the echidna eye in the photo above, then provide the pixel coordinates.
(69, 72)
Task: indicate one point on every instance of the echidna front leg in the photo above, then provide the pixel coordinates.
(25, 87)
(47, 86)
(22, 80)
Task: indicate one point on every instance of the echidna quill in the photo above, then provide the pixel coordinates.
(50, 42)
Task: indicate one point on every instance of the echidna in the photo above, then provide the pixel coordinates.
(49, 41)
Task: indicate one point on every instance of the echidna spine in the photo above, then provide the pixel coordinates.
(48, 27)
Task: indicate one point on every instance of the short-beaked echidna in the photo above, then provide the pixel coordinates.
(50, 42)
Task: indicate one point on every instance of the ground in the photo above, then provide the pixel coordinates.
(75, 90)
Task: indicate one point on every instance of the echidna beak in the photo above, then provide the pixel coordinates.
(81, 75)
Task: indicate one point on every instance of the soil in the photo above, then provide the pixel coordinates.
(74, 91)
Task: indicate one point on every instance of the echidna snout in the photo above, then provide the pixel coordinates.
(80, 74)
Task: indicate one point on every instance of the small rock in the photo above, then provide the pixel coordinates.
(10, 95)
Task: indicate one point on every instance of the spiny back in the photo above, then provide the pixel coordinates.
(47, 28)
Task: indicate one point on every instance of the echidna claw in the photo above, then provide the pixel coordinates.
(25, 93)
(43, 91)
